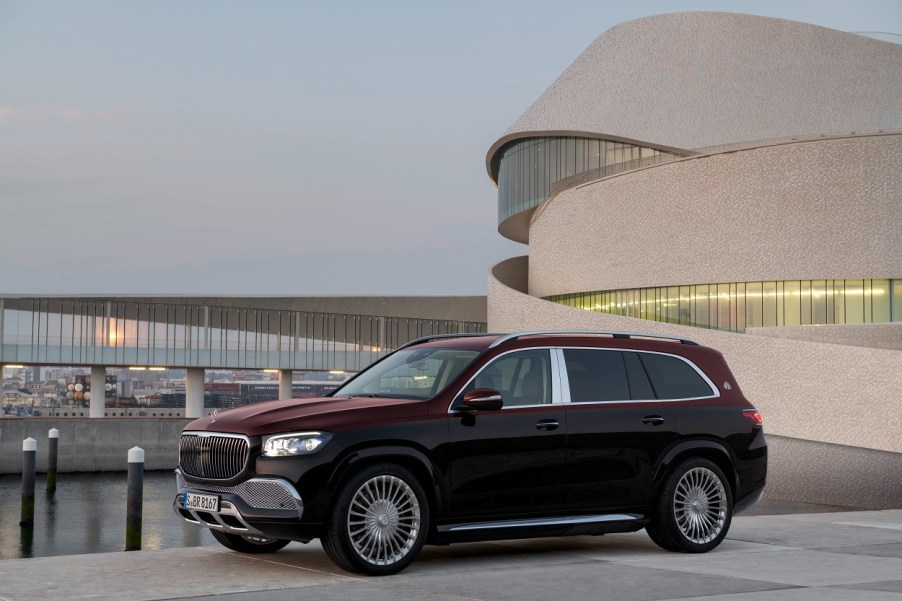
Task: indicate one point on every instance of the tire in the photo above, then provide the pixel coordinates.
(694, 509)
(652, 533)
(248, 544)
(378, 522)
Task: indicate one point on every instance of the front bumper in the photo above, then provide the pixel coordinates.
(244, 508)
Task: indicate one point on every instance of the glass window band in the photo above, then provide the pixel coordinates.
(733, 307)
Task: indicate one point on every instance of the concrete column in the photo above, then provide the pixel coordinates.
(285, 391)
(194, 392)
(98, 392)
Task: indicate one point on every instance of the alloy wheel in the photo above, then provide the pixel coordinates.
(383, 520)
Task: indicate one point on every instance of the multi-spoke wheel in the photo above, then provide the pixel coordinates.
(694, 509)
(379, 521)
(248, 543)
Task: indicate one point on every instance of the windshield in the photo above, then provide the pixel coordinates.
(410, 374)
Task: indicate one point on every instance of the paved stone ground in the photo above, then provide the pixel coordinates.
(848, 556)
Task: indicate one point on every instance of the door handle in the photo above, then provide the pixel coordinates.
(547, 424)
(652, 420)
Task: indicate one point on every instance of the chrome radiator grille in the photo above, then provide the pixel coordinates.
(214, 456)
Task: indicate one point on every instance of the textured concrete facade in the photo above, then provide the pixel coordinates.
(812, 210)
(822, 392)
(702, 79)
(751, 204)
(875, 335)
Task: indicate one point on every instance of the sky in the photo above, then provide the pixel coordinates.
(283, 148)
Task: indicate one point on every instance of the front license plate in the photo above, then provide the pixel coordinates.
(202, 502)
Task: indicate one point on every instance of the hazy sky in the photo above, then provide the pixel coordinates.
(282, 147)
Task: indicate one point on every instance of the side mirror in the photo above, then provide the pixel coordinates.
(483, 399)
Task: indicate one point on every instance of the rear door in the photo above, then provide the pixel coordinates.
(617, 430)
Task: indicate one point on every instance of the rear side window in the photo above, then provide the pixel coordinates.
(596, 375)
(673, 378)
(640, 387)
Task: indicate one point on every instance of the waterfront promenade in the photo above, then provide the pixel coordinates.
(848, 556)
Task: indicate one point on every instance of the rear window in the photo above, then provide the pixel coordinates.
(673, 378)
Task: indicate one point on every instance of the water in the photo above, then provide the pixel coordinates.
(87, 515)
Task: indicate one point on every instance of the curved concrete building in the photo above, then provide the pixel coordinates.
(737, 180)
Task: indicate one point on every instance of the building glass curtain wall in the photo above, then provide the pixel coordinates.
(528, 167)
(73, 332)
(740, 305)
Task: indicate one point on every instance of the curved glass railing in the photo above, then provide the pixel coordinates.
(529, 167)
(532, 169)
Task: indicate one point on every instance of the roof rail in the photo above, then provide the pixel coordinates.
(440, 336)
(517, 335)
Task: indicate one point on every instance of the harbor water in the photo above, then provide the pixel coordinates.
(87, 515)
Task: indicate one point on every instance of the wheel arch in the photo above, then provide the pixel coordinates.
(407, 457)
(712, 450)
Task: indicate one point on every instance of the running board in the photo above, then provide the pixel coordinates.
(574, 520)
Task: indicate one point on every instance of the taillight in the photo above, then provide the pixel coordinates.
(753, 415)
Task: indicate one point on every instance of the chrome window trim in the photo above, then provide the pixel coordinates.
(208, 433)
(553, 368)
(563, 378)
(597, 348)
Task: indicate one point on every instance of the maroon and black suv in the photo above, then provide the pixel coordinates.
(480, 437)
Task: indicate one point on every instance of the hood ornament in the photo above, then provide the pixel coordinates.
(213, 415)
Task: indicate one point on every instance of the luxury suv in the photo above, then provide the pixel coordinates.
(482, 437)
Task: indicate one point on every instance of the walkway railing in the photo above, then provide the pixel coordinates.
(121, 333)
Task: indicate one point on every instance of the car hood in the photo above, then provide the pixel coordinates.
(328, 413)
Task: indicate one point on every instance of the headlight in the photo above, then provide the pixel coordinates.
(295, 443)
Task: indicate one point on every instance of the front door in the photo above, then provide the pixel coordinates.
(511, 461)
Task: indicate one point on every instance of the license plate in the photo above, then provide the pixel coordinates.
(201, 502)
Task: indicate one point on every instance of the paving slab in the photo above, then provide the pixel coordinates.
(893, 586)
(151, 575)
(857, 560)
(578, 581)
(822, 530)
(885, 550)
(797, 567)
(802, 594)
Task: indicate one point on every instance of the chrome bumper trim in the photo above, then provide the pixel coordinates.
(268, 494)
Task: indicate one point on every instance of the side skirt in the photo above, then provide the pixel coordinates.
(539, 527)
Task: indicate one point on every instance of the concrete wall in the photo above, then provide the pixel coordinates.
(92, 445)
(703, 78)
(828, 474)
(831, 393)
(875, 335)
(813, 210)
(831, 412)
